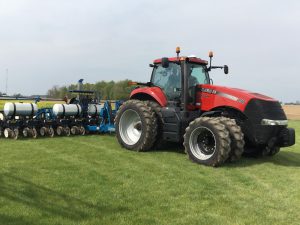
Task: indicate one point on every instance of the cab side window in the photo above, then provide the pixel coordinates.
(168, 79)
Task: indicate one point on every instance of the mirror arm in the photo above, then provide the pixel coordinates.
(217, 67)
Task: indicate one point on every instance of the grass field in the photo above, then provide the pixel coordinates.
(91, 180)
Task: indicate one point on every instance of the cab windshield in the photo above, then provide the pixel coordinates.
(170, 79)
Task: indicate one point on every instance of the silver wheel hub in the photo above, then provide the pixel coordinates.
(202, 143)
(130, 127)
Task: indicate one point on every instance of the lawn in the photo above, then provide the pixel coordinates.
(91, 180)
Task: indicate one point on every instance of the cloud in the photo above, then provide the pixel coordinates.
(44, 43)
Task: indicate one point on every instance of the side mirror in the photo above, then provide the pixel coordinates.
(226, 69)
(153, 65)
(165, 62)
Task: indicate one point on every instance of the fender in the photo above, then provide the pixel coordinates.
(150, 93)
(212, 113)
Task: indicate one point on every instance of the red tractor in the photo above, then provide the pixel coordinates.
(215, 123)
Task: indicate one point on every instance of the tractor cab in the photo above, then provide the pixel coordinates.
(179, 78)
(174, 75)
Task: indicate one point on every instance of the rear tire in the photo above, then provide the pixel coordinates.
(207, 142)
(136, 126)
(236, 136)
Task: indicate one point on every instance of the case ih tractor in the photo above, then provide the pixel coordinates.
(215, 123)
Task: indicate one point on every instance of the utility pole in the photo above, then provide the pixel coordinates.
(6, 82)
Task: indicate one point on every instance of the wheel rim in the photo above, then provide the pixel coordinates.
(59, 131)
(202, 143)
(73, 130)
(51, 132)
(25, 132)
(6, 132)
(42, 131)
(16, 132)
(34, 133)
(82, 130)
(67, 131)
(130, 127)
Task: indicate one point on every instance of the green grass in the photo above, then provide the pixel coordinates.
(91, 180)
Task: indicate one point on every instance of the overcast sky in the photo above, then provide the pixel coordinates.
(56, 42)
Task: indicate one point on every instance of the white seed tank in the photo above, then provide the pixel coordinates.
(66, 110)
(20, 109)
(94, 109)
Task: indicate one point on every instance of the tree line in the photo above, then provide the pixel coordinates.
(112, 90)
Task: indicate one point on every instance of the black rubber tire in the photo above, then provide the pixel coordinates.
(159, 142)
(148, 125)
(74, 130)
(82, 130)
(59, 131)
(16, 133)
(221, 140)
(236, 136)
(43, 131)
(51, 132)
(67, 131)
(25, 132)
(34, 133)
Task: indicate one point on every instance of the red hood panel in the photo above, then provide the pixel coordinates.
(213, 96)
(252, 94)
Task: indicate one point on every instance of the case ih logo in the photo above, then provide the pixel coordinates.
(231, 97)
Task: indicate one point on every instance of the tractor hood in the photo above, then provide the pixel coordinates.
(218, 96)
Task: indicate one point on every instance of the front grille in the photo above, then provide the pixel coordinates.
(257, 109)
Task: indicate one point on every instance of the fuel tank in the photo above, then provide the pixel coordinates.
(63, 110)
(20, 109)
(94, 109)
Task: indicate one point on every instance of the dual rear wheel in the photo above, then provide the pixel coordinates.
(212, 141)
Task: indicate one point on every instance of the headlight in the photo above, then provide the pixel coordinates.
(274, 122)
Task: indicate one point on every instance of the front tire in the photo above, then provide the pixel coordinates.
(136, 126)
(236, 136)
(207, 142)
(159, 142)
